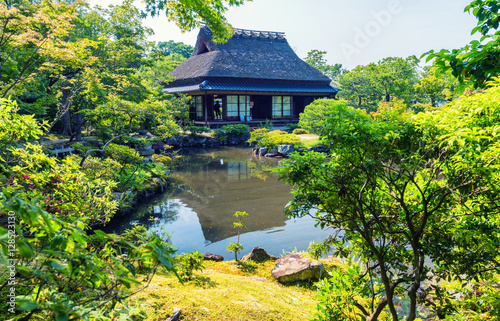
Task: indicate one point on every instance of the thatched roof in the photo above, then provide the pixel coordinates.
(253, 57)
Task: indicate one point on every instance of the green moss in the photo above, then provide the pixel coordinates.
(229, 290)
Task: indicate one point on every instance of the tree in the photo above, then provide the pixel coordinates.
(187, 14)
(316, 114)
(434, 87)
(400, 189)
(479, 61)
(171, 47)
(63, 273)
(365, 86)
(316, 58)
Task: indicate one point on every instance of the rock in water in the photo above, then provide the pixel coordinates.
(293, 268)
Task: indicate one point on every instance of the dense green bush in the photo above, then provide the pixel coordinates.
(65, 274)
(300, 131)
(123, 154)
(195, 130)
(219, 134)
(315, 115)
(188, 263)
(278, 137)
(257, 135)
(236, 129)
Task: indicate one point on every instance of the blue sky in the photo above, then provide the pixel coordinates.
(352, 33)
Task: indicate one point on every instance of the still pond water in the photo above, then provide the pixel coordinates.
(207, 189)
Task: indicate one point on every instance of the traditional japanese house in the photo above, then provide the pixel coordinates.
(252, 77)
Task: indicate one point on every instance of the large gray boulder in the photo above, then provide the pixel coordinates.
(294, 267)
(285, 150)
(263, 151)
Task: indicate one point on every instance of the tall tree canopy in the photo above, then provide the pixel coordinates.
(366, 86)
(400, 189)
(479, 61)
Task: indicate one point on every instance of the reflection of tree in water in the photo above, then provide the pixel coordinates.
(161, 206)
(261, 169)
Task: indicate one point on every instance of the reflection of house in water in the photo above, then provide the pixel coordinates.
(226, 186)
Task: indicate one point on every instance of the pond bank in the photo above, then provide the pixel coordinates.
(198, 206)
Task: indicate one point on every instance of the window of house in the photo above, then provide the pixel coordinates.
(198, 103)
(282, 106)
(232, 106)
(238, 106)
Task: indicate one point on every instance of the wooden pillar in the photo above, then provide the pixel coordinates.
(206, 110)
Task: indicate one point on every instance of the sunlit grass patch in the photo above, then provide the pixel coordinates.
(228, 290)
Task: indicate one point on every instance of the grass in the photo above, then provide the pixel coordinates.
(229, 290)
(309, 140)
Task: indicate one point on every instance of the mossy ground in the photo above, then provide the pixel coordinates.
(309, 140)
(229, 290)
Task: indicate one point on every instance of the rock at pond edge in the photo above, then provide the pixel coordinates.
(293, 268)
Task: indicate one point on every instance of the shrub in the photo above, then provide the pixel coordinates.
(65, 274)
(278, 137)
(219, 134)
(267, 125)
(236, 130)
(257, 135)
(166, 160)
(188, 263)
(300, 131)
(123, 154)
(195, 130)
(81, 149)
(314, 117)
(292, 126)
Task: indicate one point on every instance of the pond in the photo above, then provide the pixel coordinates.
(207, 189)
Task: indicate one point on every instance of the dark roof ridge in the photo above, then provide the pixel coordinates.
(248, 33)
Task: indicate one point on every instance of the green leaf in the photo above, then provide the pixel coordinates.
(62, 317)
(28, 306)
(25, 250)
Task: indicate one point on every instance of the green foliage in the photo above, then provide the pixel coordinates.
(340, 292)
(365, 86)
(268, 124)
(316, 58)
(434, 87)
(123, 154)
(403, 188)
(477, 62)
(236, 129)
(315, 115)
(188, 263)
(257, 135)
(219, 134)
(264, 138)
(195, 130)
(318, 249)
(300, 131)
(236, 247)
(65, 273)
(188, 14)
(14, 127)
(81, 149)
(278, 137)
(171, 47)
(292, 126)
(61, 188)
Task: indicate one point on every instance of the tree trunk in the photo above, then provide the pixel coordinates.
(78, 122)
(66, 117)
